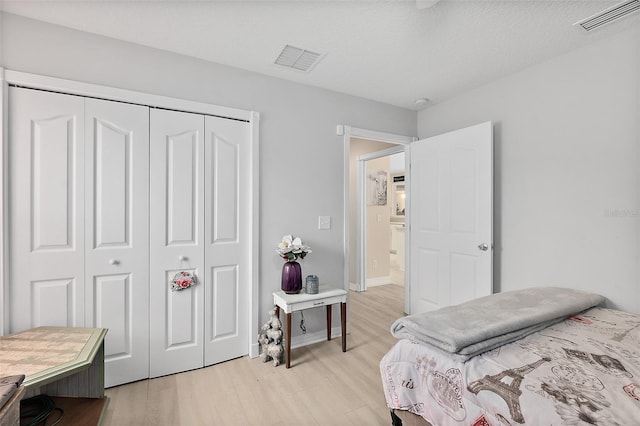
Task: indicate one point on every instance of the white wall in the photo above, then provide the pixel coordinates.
(567, 169)
(301, 157)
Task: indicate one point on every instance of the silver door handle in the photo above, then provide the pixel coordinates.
(483, 247)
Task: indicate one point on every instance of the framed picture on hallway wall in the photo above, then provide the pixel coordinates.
(377, 188)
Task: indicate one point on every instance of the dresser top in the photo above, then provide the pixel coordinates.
(45, 353)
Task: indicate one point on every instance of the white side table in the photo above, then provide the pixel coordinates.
(290, 303)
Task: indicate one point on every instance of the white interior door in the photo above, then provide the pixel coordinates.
(117, 234)
(227, 238)
(46, 202)
(177, 230)
(451, 217)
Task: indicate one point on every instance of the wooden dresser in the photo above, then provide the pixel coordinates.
(59, 362)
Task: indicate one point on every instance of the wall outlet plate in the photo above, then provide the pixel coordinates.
(324, 222)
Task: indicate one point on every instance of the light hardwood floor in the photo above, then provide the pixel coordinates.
(324, 386)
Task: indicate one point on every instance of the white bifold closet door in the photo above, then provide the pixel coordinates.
(177, 233)
(46, 209)
(79, 221)
(227, 238)
(117, 234)
(107, 202)
(199, 198)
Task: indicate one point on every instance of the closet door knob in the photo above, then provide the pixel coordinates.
(182, 258)
(114, 262)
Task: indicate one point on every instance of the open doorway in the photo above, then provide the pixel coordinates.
(362, 141)
(380, 198)
(397, 197)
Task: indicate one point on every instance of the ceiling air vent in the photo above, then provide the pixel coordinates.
(609, 15)
(297, 58)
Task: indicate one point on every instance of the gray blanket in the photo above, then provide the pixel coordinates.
(482, 324)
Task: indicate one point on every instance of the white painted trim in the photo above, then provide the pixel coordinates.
(349, 132)
(254, 293)
(407, 231)
(4, 289)
(374, 135)
(361, 224)
(382, 153)
(346, 135)
(36, 81)
(373, 282)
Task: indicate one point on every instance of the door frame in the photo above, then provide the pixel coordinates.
(35, 81)
(4, 117)
(349, 132)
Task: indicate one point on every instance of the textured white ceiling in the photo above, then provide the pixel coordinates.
(388, 51)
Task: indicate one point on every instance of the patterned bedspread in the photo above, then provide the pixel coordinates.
(582, 371)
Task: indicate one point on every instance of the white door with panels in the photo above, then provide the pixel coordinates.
(451, 214)
(46, 209)
(199, 203)
(177, 241)
(79, 221)
(227, 261)
(107, 202)
(117, 234)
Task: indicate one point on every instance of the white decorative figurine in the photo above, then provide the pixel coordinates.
(270, 340)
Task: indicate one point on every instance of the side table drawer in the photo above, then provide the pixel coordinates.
(297, 302)
(316, 303)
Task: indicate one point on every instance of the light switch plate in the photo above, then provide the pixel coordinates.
(324, 222)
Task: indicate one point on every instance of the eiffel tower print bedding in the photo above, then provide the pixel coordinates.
(584, 370)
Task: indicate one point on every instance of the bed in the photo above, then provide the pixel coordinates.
(543, 356)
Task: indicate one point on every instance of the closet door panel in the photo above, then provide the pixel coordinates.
(182, 310)
(117, 234)
(112, 306)
(52, 162)
(223, 321)
(182, 187)
(112, 184)
(176, 223)
(52, 302)
(227, 175)
(46, 204)
(224, 157)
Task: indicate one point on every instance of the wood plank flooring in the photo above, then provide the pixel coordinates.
(324, 387)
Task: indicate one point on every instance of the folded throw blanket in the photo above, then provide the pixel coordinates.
(482, 324)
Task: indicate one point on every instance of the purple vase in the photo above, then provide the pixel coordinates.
(291, 277)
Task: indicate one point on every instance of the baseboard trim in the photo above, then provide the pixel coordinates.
(372, 282)
(254, 350)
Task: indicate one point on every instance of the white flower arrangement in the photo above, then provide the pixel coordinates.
(290, 248)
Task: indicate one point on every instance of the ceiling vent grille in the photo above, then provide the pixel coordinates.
(609, 15)
(297, 58)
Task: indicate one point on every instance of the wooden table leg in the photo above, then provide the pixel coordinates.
(343, 324)
(288, 339)
(329, 322)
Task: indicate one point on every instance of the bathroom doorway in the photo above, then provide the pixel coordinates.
(380, 217)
